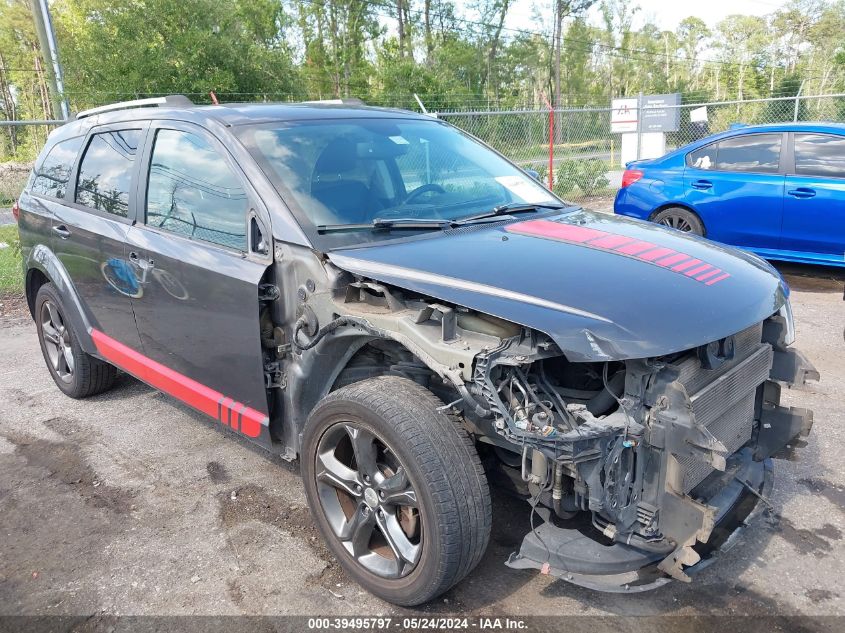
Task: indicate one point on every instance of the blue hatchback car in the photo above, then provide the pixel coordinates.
(776, 190)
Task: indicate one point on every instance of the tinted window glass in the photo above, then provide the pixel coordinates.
(820, 155)
(106, 171)
(750, 152)
(51, 176)
(703, 157)
(193, 192)
(355, 171)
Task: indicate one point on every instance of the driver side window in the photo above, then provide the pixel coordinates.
(192, 191)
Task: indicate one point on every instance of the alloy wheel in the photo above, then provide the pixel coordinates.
(676, 222)
(368, 500)
(57, 341)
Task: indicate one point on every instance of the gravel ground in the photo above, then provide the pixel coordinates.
(129, 503)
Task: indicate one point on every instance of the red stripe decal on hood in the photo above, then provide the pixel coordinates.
(623, 245)
(202, 398)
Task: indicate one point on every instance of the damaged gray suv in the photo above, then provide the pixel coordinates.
(410, 315)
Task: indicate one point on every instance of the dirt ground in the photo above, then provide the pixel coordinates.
(129, 503)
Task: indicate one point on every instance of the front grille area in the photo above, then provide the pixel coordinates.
(723, 398)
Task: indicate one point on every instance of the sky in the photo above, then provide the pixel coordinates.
(665, 13)
(669, 14)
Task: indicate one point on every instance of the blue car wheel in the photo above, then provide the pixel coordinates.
(681, 219)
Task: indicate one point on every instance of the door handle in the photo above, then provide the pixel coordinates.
(702, 184)
(62, 231)
(802, 192)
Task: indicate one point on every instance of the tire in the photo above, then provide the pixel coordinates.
(681, 219)
(75, 372)
(417, 448)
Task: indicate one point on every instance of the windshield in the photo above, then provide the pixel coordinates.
(359, 171)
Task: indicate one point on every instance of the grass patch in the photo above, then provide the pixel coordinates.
(11, 277)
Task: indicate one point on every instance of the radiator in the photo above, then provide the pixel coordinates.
(723, 398)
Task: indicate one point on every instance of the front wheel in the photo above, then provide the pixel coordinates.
(396, 488)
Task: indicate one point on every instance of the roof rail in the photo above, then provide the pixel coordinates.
(341, 101)
(178, 101)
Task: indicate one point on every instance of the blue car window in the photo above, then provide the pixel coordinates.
(820, 155)
(703, 157)
(758, 153)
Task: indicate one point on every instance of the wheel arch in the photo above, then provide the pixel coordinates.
(43, 266)
(319, 374)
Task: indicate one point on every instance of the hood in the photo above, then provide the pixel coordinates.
(602, 287)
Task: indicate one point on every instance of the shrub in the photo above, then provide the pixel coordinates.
(588, 175)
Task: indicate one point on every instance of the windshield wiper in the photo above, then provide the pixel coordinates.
(385, 223)
(509, 209)
(423, 224)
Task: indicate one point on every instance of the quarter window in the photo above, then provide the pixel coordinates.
(703, 157)
(750, 153)
(820, 155)
(105, 174)
(193, 192)
(51, 176)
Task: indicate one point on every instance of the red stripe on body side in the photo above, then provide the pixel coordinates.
(226, 410)
(251, 422)
(189, 391)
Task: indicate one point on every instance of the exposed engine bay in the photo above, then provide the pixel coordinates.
(628, 466)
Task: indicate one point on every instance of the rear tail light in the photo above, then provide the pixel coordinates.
(16, 210)
(630, 176)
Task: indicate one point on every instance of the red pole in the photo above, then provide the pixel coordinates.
(551, 141)
(213, 98)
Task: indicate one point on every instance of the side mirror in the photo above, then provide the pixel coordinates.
(534, 174)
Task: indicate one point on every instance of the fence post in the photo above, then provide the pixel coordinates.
(551, 142)
(551, 148)
(798, 101)
(639, 123)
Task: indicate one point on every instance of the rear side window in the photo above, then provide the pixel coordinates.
(750, 153)
(820, 155)
(193, 192)
(703, 157)
(105, 174)
(51, 176)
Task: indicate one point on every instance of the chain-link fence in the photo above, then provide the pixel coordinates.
(12, 179)
(587, 158)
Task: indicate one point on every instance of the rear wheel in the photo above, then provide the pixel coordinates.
(76, 373)
(397, 489)
(681, 219)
